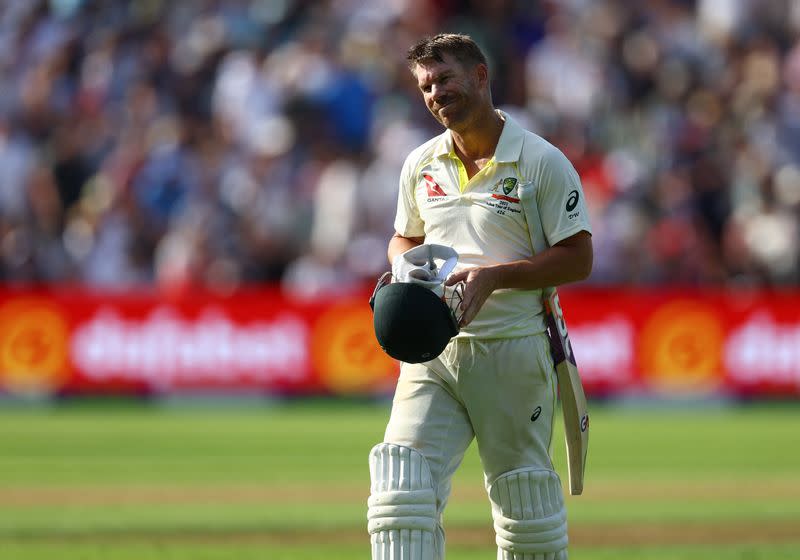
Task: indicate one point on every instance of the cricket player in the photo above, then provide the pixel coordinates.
(494, 381)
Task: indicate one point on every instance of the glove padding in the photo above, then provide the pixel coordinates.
(428, 265)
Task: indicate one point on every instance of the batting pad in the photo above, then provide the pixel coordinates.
(401, 512)
(529, 515)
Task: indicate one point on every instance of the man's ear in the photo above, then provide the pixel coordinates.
(482, 73)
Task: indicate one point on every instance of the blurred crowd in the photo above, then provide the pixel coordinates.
(218, 143)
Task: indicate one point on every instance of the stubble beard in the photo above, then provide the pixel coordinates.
(456, 119)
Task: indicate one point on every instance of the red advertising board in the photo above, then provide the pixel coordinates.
(742, 343)
(260, 341)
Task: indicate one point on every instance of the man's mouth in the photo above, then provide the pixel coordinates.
(444, 106)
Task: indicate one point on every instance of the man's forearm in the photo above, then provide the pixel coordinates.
(569, 261)
(556, 266)
(399, 244)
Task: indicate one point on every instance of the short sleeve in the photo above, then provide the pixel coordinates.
(408, 222)
(562, 204)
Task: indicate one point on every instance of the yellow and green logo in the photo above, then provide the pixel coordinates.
(508, 185)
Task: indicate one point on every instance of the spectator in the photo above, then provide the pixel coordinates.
(215, 144)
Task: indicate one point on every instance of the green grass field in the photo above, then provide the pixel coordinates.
(289, 482)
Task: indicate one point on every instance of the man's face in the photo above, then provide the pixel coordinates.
(451, 91)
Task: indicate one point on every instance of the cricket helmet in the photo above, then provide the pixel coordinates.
(412, 324)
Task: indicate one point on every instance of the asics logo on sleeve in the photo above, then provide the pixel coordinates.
(572, 201)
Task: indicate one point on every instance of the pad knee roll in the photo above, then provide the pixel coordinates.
(530, 519)
(401, 510)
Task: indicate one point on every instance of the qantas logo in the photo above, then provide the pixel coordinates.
(434, 189)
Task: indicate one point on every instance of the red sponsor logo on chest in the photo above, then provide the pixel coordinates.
(433, 187)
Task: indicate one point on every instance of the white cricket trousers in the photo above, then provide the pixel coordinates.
(500, 391)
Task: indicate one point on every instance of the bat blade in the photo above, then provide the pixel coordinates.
(573, 399)
(576, 423)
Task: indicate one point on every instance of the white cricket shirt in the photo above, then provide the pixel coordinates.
(481, 218)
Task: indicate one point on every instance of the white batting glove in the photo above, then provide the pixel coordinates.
(427, 265)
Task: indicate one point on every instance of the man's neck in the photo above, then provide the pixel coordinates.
(479, 140)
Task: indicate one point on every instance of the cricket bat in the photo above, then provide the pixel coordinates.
(573, 400)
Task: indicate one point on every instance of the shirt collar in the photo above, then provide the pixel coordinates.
(509, 146)
(444, 147)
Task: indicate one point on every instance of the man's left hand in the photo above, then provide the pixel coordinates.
(479, 283)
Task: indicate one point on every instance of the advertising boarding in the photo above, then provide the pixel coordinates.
(261, 342)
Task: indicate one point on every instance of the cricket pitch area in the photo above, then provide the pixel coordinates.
(290, 481)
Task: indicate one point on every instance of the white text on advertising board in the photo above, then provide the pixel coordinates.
(165, 350)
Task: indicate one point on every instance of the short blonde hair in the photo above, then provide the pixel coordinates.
(460, 46)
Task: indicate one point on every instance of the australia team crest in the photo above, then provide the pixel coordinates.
(506, 189)
(509, 184)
